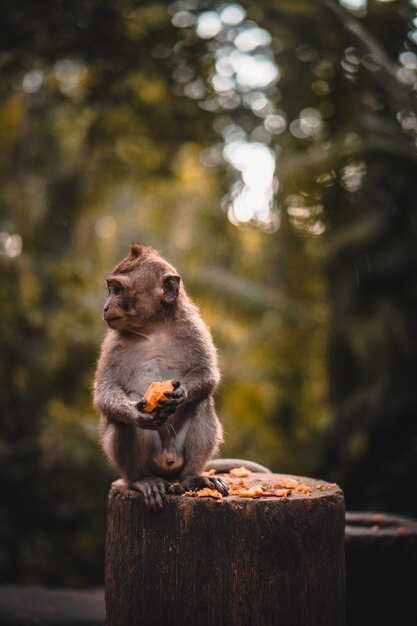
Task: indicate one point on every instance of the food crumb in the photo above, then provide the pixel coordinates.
(287, 483)
(240, 472)
(303, 489)
(211, 472)
(204, 493)
(252, 492)
(282, 492)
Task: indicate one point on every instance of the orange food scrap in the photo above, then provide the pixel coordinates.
(319, 486)
(155, 392)
(375, 528)
(211, 472)
(378, 517)
(208, 493)
(303, 488)
(282, 492)
(192, 493)
(287, 483)
(234, 483)
(236, 488)
(203, 493)
(252, 492)
(240, 472)
(401, 530)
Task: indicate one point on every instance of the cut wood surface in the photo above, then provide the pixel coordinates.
(235, 561)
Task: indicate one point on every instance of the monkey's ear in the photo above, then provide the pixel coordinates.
(171, 287)
(136, 249)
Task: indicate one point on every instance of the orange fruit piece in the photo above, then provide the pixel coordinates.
(155, 392)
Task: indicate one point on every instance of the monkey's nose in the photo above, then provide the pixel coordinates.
(106, 308)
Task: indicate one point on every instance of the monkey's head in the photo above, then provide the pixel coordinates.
(143, 289)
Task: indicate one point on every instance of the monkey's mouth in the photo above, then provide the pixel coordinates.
(109, 320)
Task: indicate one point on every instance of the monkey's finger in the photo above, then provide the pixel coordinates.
(163, 416)
(152, 423)
(175, 383)
(167, 404)
(175, 396)
(141, 405)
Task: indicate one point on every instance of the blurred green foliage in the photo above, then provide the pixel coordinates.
(268, 150)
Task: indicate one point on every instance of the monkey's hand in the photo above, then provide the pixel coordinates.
(174, 399)
(149, 421)
(200, 482)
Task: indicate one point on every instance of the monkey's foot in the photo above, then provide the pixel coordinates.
(201, 482)
(154, 491)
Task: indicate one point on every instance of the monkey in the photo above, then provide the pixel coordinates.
(155, 332)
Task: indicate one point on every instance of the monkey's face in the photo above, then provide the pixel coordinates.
(140, 298)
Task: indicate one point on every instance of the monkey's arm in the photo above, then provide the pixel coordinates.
(197, 384)
(112, 401)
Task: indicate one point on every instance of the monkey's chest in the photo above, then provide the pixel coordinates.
(154, 361)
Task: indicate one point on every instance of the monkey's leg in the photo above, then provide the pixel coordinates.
(128, 449)
(203, 436)
(125, 448)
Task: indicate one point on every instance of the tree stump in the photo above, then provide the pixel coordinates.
(381, 569)
(234, 562)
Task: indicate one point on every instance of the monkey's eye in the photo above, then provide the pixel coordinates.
(117, 289)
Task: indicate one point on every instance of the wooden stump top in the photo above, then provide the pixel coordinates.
(298, 486)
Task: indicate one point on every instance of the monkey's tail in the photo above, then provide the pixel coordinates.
(225, 465)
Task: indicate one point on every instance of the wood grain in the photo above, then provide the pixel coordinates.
(237, 561)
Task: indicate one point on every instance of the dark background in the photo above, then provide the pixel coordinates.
(268, 150)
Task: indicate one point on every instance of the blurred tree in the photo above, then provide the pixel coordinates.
(121, 121)
(77, 124)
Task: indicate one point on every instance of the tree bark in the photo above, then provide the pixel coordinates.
(235, 562)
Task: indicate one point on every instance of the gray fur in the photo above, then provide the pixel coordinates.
(156, 333)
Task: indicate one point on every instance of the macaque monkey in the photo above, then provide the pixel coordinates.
(156, 333)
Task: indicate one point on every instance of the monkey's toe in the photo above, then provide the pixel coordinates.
(219, 484)
(153, 491)
(201, 482)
